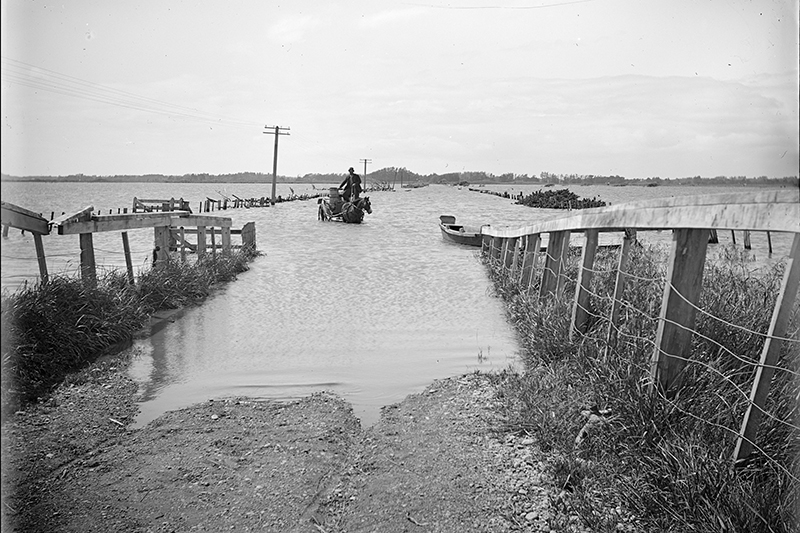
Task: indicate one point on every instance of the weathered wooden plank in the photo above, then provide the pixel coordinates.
(122, 222)
(126, 249)
(179, 219)
(515, 266)
(201, 241)
(676, 320)
(551, 272)
(770, 353)
(226, 242)
(756, 212)
(619, 287)
(21, 218)
(580, 314)
(182, 243)
(497, 248)
(529, 260)
(66, 218)
(161, 244)
(37, 242)
(88, 268)
(509, 245)
(125, 222)
(249, 235)
(561, 279)
(213, 241)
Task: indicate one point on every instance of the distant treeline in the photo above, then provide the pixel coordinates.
(401, 176)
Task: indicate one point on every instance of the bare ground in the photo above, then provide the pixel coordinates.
(434, 462)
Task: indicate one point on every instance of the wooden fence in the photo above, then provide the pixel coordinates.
(170, 231)
(516, 252)
(142, 205)
(14, 216)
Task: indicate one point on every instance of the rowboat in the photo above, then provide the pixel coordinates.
(460, 234)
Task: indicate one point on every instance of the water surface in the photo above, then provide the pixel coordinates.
(372, 312)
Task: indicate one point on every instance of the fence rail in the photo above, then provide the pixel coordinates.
(171, 224)
(516, 253)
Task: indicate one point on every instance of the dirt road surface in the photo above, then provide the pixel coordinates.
(436, 462)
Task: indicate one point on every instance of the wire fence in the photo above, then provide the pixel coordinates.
(733, 324)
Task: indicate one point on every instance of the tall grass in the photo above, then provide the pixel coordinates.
(52, 329)
(665, 462)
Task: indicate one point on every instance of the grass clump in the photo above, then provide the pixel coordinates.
(52, 329)
(657, 463)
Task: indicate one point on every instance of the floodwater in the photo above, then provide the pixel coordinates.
(372, 312)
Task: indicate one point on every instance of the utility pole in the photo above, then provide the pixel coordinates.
(279, 130)
(365, 161)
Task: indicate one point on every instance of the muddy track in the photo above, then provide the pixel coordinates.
(434, 462)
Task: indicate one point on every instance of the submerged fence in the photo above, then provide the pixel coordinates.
(602, 284)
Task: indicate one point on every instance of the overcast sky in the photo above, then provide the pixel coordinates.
(637, 88)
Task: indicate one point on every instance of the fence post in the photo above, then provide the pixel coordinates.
(226, 241)
(126, 248)
(161, 252)
(497, 246)
(88, 269)
(37, 242)
(213, 241)
(183, 244)
(515, 256)
(509, 245)
(580, 309)
(552, 275)
(529, 259)
(770, 353)
(201, 241)
(619, 287)
(249, 236)
(676, 319)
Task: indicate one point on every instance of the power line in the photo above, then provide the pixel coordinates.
(19, 72)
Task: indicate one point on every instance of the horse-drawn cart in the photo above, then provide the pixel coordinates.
(333, 207)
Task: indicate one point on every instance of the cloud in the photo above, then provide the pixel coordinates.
(292, 28)
(389, 17)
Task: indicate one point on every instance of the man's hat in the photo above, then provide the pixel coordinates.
(351, 169)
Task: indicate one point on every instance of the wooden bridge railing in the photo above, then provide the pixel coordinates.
(141, 205)
(691, 219)
(14, 216)
(167, 226)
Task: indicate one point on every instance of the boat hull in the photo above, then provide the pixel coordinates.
(461, 237)
(459, 234)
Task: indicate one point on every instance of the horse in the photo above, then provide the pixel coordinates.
(364, 204)
(350, 212)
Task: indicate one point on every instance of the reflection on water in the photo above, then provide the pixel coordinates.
(373, 312)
